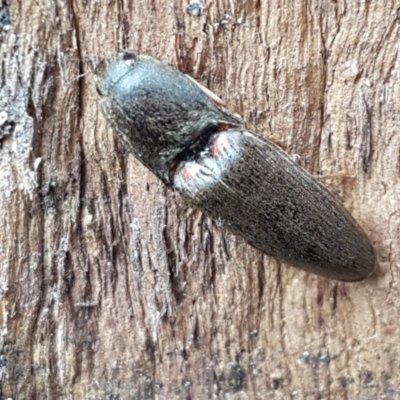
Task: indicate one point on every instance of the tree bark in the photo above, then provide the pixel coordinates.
(110, 287)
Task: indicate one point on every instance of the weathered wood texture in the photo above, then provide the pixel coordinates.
(112, 289)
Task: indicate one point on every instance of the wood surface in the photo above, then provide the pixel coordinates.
(112, 288)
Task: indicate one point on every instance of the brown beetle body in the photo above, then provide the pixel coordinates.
(246, 182)
(260, 193)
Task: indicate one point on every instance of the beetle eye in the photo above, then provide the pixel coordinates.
(127, 55)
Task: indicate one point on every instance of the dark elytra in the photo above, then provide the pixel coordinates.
(246, 182)
(260, 193)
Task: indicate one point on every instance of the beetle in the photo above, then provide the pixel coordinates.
(178, 130)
